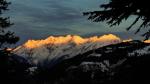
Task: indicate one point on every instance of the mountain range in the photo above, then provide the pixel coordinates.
(54, 49)
(103, 60)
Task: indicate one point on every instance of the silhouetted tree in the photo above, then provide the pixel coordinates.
(6, 38)
(118, 10)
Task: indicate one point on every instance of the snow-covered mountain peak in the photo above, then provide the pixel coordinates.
(62, 47)
(59, 40)
(147, 41)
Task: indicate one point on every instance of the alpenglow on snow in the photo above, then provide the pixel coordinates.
(52, 49)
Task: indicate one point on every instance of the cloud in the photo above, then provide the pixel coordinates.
(53, 13)
(41, 18)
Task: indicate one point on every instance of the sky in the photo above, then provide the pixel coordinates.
(38, 19)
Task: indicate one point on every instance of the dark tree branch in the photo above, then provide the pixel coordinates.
(118, 10)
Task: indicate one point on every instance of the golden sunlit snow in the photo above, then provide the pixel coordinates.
(60, 40)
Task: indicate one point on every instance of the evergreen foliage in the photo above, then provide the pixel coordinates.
(118, 10)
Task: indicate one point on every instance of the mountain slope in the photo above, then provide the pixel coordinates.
(95, 60)
(110, 64)
(55, 49)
